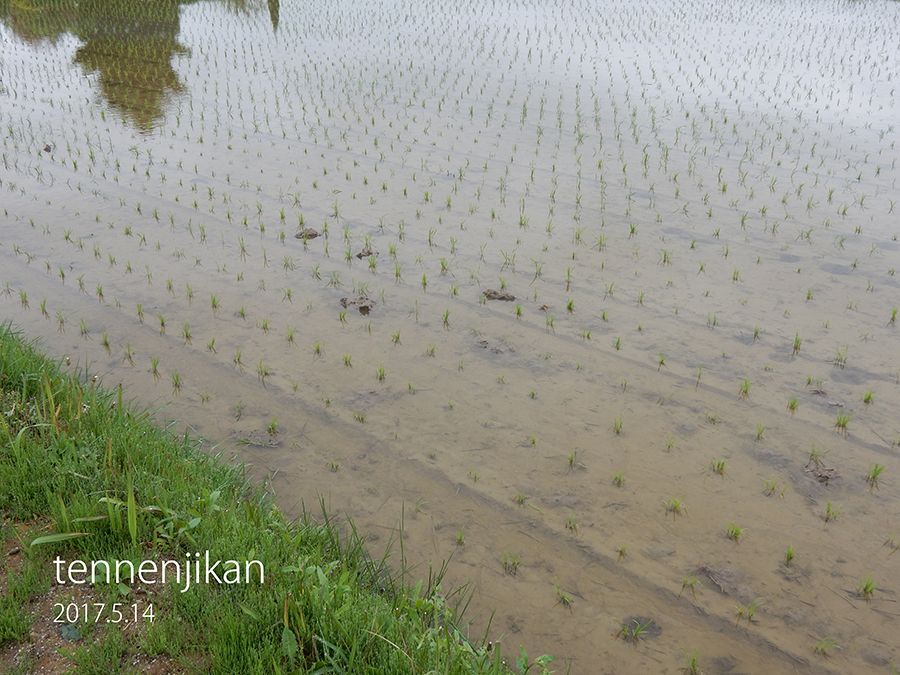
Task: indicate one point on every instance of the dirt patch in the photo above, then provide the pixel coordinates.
(307, 233)
(491, 294)
(363, 304)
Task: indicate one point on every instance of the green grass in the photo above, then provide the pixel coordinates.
(75, 458)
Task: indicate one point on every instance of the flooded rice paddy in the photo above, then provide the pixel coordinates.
(597, 300)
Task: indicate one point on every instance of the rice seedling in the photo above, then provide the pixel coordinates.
(718, 466)
(760, 431)
(618, 479)
(744, 390)
(868, 397)
(635, 631)
(129, 354)
(262, 372)
(621, 552)
(831, 512)
(840, 357)
(789, 555)
(689, 583)
(272, 427)
(873, 475)
(571, 525)
(866, 588)
(186, 333)
(734, 532)
(510, 563)
(162, 324)
(675, 506)
(692, 664)
(792, 405)
(154, 367)
(563, 598)
(816, 457)
(796, 344)
(824, 646)
(176, 383)
(617, 425)
(747, 611)
(380, 373)
(841, 423)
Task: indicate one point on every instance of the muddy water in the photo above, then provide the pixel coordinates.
(680, 198)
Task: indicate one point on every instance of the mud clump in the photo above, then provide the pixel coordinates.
(307, 233)
(364, 305)
(365, 253)
(491, 294)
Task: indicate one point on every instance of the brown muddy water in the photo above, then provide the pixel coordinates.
(693, 205)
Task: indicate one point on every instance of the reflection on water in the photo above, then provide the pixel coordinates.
(128, 44)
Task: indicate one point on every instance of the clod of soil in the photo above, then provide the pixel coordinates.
(823, 474)
(491, 294)
(307, 233)
(364, 305)
(365, 253)
(257, 439)
(725, 580)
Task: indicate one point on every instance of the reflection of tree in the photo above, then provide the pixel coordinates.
(128, 43)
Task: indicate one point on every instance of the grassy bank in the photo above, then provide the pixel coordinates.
(84, 477)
